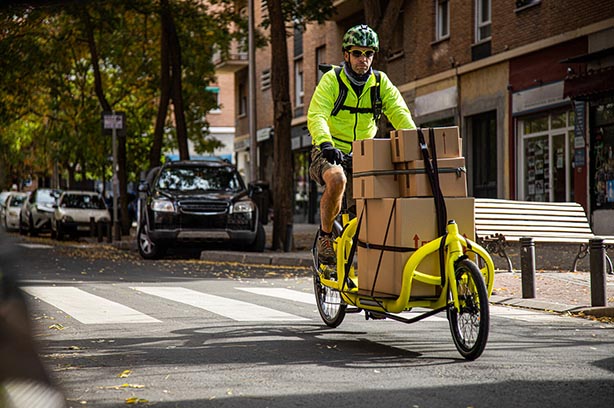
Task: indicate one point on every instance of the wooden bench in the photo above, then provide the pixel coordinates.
(499, 222)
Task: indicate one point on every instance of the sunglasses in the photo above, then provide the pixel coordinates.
(359, 53)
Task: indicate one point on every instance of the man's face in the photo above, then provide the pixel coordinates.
(359, 58)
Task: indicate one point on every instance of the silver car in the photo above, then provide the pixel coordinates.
(12, 208)
(37, 211)
(75, 212)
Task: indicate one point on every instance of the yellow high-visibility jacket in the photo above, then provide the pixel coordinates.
(347, 125)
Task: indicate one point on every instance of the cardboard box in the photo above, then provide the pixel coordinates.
(372, 154)
(375, 186)
(405, 223)
(405, 146)
(452, 178)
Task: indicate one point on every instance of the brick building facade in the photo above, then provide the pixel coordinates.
(529, 82)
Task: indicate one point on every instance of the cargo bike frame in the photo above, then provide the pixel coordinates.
(464, 282)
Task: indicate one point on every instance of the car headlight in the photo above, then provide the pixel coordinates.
(243, 207)
(162, 206)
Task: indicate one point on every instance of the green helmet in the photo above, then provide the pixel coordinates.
(361, 36)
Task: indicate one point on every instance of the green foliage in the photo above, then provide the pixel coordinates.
(49, 110)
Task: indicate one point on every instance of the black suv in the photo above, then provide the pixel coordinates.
(196, 201)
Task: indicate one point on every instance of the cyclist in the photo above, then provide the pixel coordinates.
(334, 124)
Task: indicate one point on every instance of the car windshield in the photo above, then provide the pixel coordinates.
(82, 201)
(16, 200)
(46, 197)
(199, 179)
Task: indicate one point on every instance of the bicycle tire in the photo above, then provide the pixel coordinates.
(330, 304)
(469, 325)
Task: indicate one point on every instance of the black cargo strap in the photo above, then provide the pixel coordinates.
(390, 248)
(457, 170)
(430, 164)
(376, 100)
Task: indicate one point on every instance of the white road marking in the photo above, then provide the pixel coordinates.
(230, 308)
(87, 308)
(283, 293)
(522, 314)
(35, 246)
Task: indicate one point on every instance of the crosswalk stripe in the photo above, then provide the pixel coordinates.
(87, 308)
(522, 314)
(230, 308)
(283, 293)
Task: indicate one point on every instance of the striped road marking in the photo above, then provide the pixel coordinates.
(230, 308)
(87, 308)
(283, 293)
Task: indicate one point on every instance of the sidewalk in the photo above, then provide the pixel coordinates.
(559, 291)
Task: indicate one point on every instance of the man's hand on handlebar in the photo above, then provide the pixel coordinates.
(331, 154)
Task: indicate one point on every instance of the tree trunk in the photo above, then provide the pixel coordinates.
(176, 87)
(165, 88)
(282, 111)
(121, 134)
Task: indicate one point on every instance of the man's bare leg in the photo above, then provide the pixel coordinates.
(330, 203)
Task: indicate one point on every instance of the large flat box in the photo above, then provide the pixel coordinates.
(405, 146)
(375, 186)
(403, 223)
(372, 154)
(452, 178)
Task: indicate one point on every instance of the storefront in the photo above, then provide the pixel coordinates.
(306, 192)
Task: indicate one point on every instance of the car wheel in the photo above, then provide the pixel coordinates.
(59, 234)
(31, 230)
(259, 241)
(148, 248)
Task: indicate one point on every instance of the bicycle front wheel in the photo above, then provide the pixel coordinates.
(470, 324)
(330, 305)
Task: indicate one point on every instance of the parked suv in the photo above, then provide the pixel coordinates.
(37, 211)
(199, 201)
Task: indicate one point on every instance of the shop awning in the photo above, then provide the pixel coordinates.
(590, 85)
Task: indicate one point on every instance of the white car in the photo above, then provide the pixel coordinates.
(12, 207)
(74, 212)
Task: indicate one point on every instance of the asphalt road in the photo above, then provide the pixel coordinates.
(188, 333)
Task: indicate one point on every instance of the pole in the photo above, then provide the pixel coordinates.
(116, 224)
(527, 266)
(253, 143)
(598, 265)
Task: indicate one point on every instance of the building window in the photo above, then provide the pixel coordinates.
(320, 59)
(242, 99)
(482, 20)
(442, 19)
(299, 85)
(525, 4)
(215, 91)
(547, 157)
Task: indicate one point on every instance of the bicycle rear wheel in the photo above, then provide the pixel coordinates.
(470, 324)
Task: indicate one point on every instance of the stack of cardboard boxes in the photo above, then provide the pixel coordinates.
(396, 209)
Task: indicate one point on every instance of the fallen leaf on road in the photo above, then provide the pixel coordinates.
(57, 326)
(125, 373)
(136, 400)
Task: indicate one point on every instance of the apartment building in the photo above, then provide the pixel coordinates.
(530, 83)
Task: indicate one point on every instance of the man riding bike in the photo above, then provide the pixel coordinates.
(346, 106)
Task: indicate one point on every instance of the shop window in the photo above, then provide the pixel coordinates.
(602, 155)
(547, 156)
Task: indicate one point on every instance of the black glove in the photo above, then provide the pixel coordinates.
(331, 154)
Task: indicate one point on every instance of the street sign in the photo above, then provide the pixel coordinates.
(112, 121)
